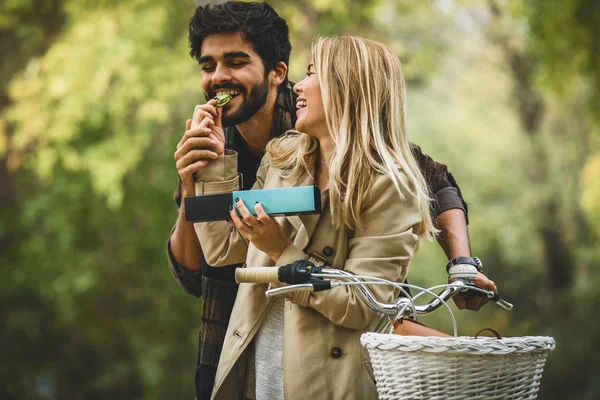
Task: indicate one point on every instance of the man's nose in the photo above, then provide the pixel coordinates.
(221, 74)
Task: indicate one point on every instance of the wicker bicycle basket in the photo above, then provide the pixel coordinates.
(420, 367)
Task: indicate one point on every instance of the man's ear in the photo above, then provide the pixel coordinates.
(278, 73)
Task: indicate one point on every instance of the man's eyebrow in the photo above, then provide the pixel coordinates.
(204, 59)
(231, 54)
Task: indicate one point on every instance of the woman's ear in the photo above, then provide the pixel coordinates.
(278, 73)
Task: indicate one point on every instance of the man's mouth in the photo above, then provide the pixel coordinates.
(231, 92)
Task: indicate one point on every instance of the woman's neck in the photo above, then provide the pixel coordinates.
(326, 147)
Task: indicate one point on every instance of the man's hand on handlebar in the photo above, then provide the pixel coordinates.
(472, 301)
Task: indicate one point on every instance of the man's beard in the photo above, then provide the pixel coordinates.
(253, 101)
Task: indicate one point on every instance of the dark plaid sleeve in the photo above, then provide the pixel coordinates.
(442, 186)
(189, 280)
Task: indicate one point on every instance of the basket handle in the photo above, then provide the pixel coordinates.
(495, 332)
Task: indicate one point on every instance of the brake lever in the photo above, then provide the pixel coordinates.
(493, 296)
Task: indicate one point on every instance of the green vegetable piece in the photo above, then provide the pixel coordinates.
(223, 99)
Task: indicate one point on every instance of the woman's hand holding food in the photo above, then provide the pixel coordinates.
(264, 232)
(204, 140)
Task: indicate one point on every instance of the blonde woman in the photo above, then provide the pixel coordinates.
(353, 146)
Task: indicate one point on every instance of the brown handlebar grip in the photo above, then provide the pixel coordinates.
(257, 275)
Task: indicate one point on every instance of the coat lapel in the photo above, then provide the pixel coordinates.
(307, 227)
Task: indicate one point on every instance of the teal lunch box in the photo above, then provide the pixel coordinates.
(280, 201)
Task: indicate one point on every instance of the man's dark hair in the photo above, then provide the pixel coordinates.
(258, 23)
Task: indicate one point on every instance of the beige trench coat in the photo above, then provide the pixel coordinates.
(322, 355)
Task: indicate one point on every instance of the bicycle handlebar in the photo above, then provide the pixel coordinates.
(305, 276)
(257, 275)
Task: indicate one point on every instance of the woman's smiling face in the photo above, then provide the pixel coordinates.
(309, 105)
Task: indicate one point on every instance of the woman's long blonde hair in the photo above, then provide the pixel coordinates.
(363, 92)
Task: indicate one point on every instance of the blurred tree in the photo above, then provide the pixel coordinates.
(27, 28)
(556, 86)
(81, 118)
(564, 39)
(530, 106)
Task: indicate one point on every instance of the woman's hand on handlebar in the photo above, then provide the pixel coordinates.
(264, 232)
(473, 302)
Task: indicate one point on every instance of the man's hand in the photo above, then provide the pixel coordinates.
(475, 302)
(264, 232)
(204, 140)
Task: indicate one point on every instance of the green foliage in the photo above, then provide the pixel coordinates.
(590, 192)
(94, 109)
(90, 124)
(564, 37)
(98, 78)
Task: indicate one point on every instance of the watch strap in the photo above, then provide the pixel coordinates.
(474, 261)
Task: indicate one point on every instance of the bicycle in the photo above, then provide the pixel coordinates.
(435, 366)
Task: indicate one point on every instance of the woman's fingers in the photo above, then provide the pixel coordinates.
(263, 231)
(244, 223)
(247, 216)
(261, 215)
(247, 223)
(237, 221)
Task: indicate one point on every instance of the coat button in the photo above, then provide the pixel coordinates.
(336, 352)
(328, 251)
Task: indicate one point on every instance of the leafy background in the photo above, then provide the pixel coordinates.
(94, 97)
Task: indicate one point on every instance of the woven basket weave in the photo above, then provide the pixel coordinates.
(419, 367)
